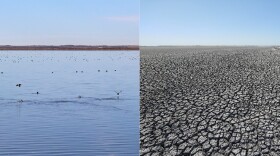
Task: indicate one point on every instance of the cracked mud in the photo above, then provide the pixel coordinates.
(210, 101)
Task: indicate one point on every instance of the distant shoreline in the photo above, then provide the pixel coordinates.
(69, 47)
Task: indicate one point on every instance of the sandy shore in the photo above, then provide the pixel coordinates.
(210, 101)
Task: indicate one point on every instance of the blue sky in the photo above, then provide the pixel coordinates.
(56, 22)
(210, 22)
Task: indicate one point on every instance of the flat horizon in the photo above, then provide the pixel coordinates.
(68, 45)
(208, 45)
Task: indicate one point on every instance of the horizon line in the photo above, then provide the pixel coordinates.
(69, 45)
(226, 45)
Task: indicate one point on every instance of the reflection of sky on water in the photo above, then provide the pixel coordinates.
(77, 110)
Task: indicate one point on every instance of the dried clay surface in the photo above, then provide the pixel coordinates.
(210, 101)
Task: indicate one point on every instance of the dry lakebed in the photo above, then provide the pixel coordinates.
(200, 100)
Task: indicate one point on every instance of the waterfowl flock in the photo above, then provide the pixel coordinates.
(44, 92)
(39, 59)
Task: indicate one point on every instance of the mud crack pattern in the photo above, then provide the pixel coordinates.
(210, 101)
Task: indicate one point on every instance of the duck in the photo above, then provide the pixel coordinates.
(36, 93)
(118, 92)
(18, 85)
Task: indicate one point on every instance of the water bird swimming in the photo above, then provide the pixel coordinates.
(118, 92)
(98, 70)
(2, 72)
(18, 85)
(79, 96)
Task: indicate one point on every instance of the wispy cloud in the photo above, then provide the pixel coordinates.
(134, 18)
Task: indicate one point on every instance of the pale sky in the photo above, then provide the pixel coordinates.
(210, 22)
(61, 22)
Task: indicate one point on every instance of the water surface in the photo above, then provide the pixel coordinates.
(77, 110)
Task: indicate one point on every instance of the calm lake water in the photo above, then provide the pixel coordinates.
(77, 110)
